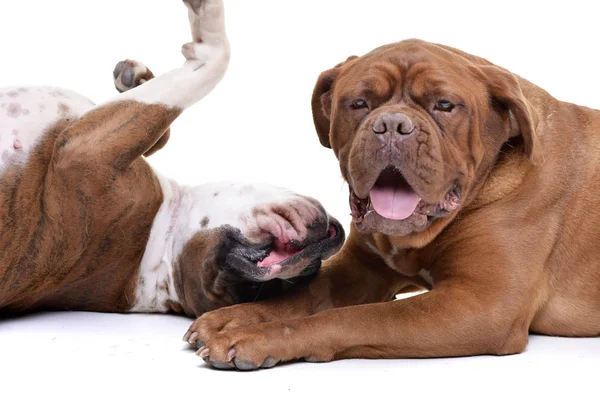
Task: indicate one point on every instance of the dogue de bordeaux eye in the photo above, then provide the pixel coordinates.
(444, 105)
(359, 104)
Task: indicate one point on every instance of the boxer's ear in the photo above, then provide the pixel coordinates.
(504, 88)
(321, 101)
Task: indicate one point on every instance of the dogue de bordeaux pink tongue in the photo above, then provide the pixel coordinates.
(393, 198)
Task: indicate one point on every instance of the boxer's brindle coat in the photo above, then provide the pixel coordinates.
(465, 180)
(86, 224)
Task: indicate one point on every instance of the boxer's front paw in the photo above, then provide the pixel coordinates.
(129, 74)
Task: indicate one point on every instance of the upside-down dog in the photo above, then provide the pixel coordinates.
(87, 224)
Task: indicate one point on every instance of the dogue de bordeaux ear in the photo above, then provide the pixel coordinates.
(504, 87)
(321, 101)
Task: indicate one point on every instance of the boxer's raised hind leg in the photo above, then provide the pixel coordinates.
(129, 74)
(116, 133)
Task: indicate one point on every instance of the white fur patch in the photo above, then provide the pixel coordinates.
(27, 112)
(155, 282)
(230, 203)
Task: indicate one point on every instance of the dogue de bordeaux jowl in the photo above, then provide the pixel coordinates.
(86, 224)
(467, 181)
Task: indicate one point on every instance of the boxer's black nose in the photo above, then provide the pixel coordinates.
(393, 122)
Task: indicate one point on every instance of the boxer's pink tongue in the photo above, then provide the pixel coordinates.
(393, 198)
(280, 252)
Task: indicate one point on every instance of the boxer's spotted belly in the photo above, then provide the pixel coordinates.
(26, 113)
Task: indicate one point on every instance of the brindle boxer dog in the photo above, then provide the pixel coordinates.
(86, 224)
(467, 181)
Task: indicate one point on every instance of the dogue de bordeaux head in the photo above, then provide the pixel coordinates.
(416, 127)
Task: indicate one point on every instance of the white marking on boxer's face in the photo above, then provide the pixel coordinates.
(206, 63)
(236, 204)
(26, 113)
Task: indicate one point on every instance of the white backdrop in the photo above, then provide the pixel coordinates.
(257, 125)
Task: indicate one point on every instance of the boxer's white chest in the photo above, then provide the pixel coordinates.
(27, 112)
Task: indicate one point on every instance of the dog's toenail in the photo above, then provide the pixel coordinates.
(193, 337)
(231, 354)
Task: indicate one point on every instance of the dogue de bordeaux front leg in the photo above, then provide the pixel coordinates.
(120, 131)
(464, 314)
(429, 325)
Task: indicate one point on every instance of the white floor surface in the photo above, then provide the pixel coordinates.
(88, 356)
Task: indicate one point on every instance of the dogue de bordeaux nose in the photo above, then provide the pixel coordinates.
(393, 122)
(489, 206)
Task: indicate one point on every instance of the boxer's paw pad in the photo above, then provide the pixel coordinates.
(129, 74)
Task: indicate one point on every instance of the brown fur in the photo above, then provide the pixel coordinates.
(139, 80)
(78, 215)
(519, 255)
(197, 272)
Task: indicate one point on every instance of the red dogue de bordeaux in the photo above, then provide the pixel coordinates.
(466, 181)
(87, 224)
